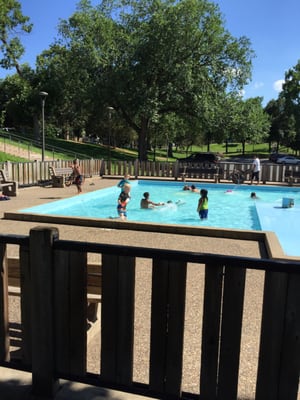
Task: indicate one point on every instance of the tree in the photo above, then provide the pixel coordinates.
(12, 20)
(156, 57)
(254, 123)
(18, 99)
(291, 96)
(243, 120)
(278, 122)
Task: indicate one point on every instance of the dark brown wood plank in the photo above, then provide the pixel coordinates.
(176, 316)
(4, 321)
(71, 311)
(109, 323)
(78, 312)
(62, 311)
(231, 329)
(25, 285)
(159, 318)
(125, 331)
(211, 331)
(117, 318)
(290, 367)
(167, 326)
(44, 382)
(272, 329)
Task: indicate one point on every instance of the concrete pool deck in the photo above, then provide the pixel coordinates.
(208, 244)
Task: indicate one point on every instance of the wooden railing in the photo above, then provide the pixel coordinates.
(37, 172)
(54, 312)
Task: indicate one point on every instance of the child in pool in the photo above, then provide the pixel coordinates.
(202, 208)
(147, 203)
(253, 196)
(192, 188)
(123, 200)
(124, 181)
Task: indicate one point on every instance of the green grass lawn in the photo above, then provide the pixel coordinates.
(8, 157)
(66, 149)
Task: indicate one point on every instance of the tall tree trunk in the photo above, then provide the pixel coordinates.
(143, 134)
(243, 146)
(170, 149)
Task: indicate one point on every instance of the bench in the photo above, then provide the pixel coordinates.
(292, 176)
(238, 176)
(59, 175)
(94, 285)
(9, 188)
(200, 172)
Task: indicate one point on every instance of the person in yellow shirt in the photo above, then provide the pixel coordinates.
(202, 208)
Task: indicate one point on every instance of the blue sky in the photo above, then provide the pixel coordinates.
(271, 25)
(273, 29)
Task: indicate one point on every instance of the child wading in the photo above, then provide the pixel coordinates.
(123, 199)
(202, 208)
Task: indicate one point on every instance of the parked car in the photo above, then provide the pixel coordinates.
(274, 156)
(201, 157)
(288, 160)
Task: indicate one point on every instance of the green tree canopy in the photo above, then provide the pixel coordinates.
(291, 96)
(12, 22)
(149, 58)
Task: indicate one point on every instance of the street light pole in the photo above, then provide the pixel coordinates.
(109, 109)
(43, 98)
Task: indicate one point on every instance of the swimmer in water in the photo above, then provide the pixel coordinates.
(147, 203)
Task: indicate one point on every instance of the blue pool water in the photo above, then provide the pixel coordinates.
(230, 206)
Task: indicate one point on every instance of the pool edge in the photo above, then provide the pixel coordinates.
(268, 239)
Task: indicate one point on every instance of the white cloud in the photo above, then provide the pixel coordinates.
(277, 85)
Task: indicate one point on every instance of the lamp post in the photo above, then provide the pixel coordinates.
(109, 109)
(43, 96)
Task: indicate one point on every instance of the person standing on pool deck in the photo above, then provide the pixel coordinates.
(202, 208)
(78, 177)
(255, 170)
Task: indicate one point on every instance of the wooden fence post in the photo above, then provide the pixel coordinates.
(136, 169)
(4, 331)
(44, 382)
(278, 369)
(272, 331)
(167, 326)
(117, 318)
(289, 372)
(211, 331)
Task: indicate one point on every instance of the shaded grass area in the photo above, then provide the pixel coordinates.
(8, 157)
(57, 148)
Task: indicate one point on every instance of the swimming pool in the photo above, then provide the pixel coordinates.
(230, 206)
